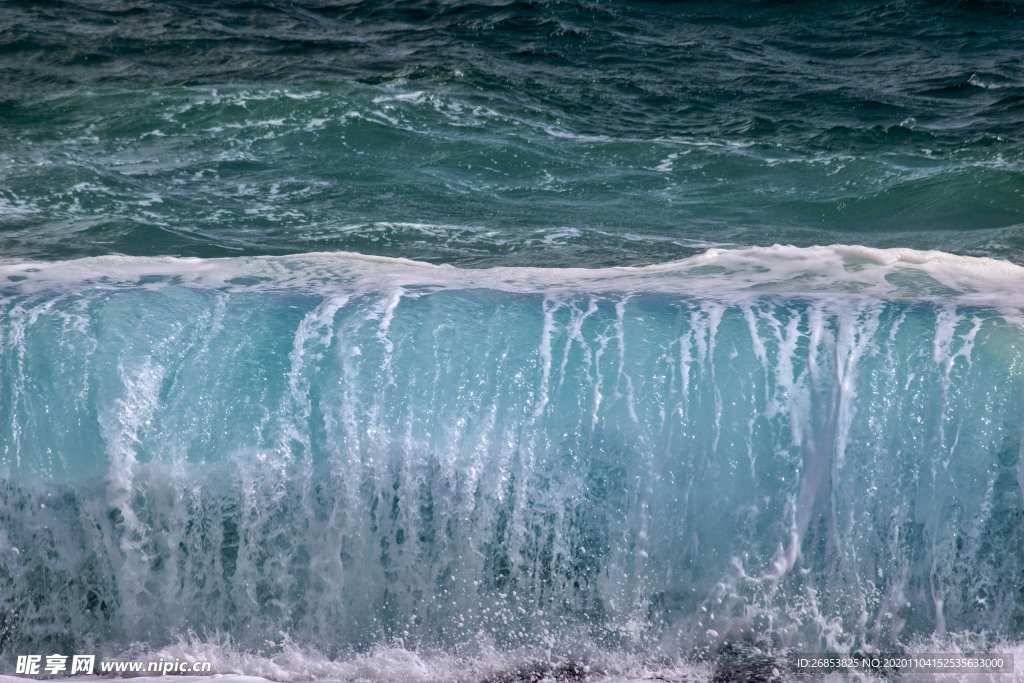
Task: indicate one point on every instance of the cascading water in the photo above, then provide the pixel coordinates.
(809, 448)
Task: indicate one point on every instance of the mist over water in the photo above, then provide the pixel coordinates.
(435, 341)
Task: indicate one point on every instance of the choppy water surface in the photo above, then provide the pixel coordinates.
(495, 133)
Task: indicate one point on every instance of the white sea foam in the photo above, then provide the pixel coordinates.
(388, 664)
(10, 208)
(831, 272)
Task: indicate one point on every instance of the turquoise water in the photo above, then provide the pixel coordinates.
(442, 340)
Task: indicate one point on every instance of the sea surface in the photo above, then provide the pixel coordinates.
(511, 341)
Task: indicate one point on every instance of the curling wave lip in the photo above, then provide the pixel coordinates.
(820, 271)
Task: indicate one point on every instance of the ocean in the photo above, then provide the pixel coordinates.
(511, 340)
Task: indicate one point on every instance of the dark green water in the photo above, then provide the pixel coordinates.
(580, 133)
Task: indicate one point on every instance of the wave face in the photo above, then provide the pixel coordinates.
(344, 451)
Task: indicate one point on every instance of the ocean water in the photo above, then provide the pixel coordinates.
(510, 341)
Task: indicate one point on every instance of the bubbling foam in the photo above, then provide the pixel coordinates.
(829, 272)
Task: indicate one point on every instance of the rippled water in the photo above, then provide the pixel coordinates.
(493, 133)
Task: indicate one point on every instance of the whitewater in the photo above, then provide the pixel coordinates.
(345, 467)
